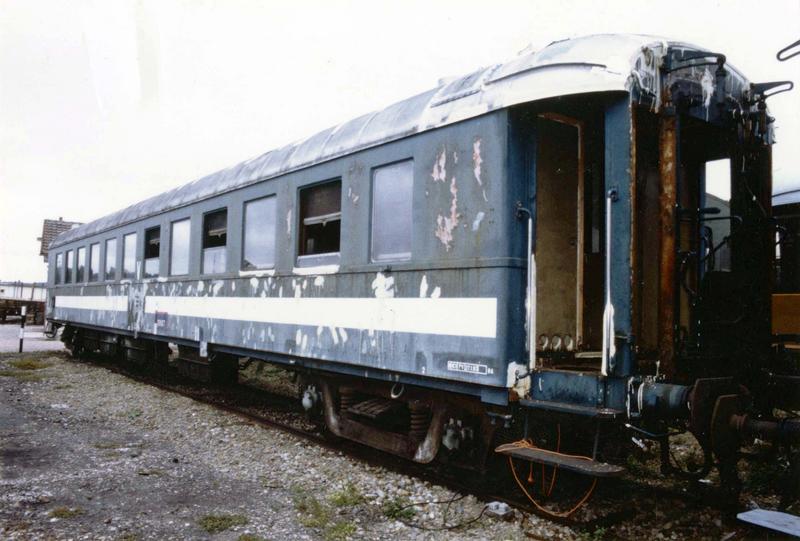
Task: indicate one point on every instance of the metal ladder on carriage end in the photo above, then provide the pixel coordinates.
(578, 464)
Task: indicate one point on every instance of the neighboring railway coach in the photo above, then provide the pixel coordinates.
(532, 241)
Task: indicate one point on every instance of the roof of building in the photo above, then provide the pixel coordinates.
(606, 62)
(51, 229)
(789, 197)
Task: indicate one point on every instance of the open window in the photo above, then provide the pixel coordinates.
(320, 224)
(94, 262)
(129, 256)
(111, 259)
(59, 268)
(80, 271)
(152, 251)
(215, 241)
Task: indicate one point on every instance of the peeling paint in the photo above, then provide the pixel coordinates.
(446, 224)
(383, 285)
(423, 287)
(200, 286)
(254, 283)
(477, 160)
(319, 281)
(334, 335)
(343, 334)
(217, 287)
(289, 222)
(439, 173)
(436, 293)
(476, 223)
(352, 196)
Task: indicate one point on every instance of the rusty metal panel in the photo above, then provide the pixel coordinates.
(668, 165)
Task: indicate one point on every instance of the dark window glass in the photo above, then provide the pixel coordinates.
(68, 267)
(111, 259)
(80, 271)
(129, 256)
(94, 262)
(392, 189)
(179, 248)
(152, 251)
(259, 234)
(59, 268)
(215, 239)
(320, 222)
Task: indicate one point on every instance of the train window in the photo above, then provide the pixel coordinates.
(320, 223)
(129, 256)
(80, 272)
(717, 225)
(259, 234)
(59, 268)
(215, 240)
(152, 251)
(111, 259)
(392, 189)
(68, 267)
(94, 262)
(179, 248)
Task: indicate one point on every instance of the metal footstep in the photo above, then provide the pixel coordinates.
(549, 458)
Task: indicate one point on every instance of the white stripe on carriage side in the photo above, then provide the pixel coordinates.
(118, 303)
(449, 316)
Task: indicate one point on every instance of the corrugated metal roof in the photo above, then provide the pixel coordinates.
(588, 64)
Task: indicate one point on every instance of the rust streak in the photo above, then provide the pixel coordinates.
(667, 258)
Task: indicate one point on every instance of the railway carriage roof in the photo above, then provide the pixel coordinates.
(599, 63)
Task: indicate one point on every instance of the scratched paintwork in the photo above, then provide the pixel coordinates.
(599, 63)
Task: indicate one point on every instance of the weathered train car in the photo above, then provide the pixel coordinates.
(530, 240)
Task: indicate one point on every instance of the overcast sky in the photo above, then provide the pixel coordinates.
(104, 103)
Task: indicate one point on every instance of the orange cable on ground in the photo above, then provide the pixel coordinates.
(527, 444)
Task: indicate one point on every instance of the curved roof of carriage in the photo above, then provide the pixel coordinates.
(588, 64)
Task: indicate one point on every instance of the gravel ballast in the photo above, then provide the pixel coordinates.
(90, 454)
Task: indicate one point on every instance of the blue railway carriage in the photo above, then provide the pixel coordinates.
(528, 242)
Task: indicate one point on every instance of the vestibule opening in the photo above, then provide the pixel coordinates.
(569, 241)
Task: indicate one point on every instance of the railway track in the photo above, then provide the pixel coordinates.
(274, 410)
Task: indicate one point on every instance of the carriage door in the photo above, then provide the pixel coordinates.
(559, 238)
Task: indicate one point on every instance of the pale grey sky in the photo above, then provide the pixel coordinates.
(104, 103)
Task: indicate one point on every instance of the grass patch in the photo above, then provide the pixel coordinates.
(348, 496)
(220, 523)
(319, 515)
(598, 534)
(154, 472)
(28, 364)
(66, 512)
(128, 537)
(339, 531)
(399, 509)
(21, 375)
(249, 537)
(314, 513)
